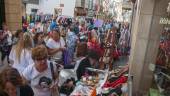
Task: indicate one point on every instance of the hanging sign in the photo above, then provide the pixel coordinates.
(164, 21)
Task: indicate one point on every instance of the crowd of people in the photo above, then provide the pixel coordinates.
(34, 51)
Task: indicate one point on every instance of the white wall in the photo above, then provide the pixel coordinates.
(69, 6)
(31, 6)
(47, 6)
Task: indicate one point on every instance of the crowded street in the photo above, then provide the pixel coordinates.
(84, 48)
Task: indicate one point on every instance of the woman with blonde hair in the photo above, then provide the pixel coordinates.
(21, 53)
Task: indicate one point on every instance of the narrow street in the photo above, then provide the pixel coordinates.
(82, 47)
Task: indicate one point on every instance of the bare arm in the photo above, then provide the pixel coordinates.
(54, 50)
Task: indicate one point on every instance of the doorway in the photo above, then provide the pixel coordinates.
(2, 12)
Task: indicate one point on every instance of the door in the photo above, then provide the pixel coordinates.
(2, 13)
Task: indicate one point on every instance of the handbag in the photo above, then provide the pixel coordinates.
(54, 91)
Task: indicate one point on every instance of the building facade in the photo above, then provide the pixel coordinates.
(11, 14)
(49, 7)
(81, 8)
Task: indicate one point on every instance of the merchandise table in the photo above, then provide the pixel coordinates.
(85, 89)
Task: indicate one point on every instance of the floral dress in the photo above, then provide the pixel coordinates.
(71, 40)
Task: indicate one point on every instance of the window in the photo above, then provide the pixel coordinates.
(34, 11)
(83, 3)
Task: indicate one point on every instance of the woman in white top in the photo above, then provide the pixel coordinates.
(41, 74)
(21, 53)
(56, 44)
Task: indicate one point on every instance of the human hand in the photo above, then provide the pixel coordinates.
(54, 85)
(63, 49)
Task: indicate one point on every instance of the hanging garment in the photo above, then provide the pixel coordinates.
(71, 40)
(119, 81)
(124, 41)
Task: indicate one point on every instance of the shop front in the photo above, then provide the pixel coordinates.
(161, 78)
(149, 59)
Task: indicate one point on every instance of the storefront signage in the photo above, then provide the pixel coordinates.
(164, 21)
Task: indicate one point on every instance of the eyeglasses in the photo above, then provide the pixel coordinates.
(41, 60)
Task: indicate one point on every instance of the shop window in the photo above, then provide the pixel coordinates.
(162, 69)
(34, 11)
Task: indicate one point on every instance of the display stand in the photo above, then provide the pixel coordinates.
(83, 89)
(162, 70)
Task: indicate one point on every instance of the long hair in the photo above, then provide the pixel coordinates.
(24, 43)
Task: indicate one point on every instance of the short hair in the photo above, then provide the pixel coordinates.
(81, 49)
(39, 52)
(11, 75)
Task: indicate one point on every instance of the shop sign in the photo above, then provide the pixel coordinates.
(164, 21)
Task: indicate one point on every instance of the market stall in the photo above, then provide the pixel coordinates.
(106, 83)
(91, 85)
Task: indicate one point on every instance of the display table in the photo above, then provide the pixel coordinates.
(83, 89)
